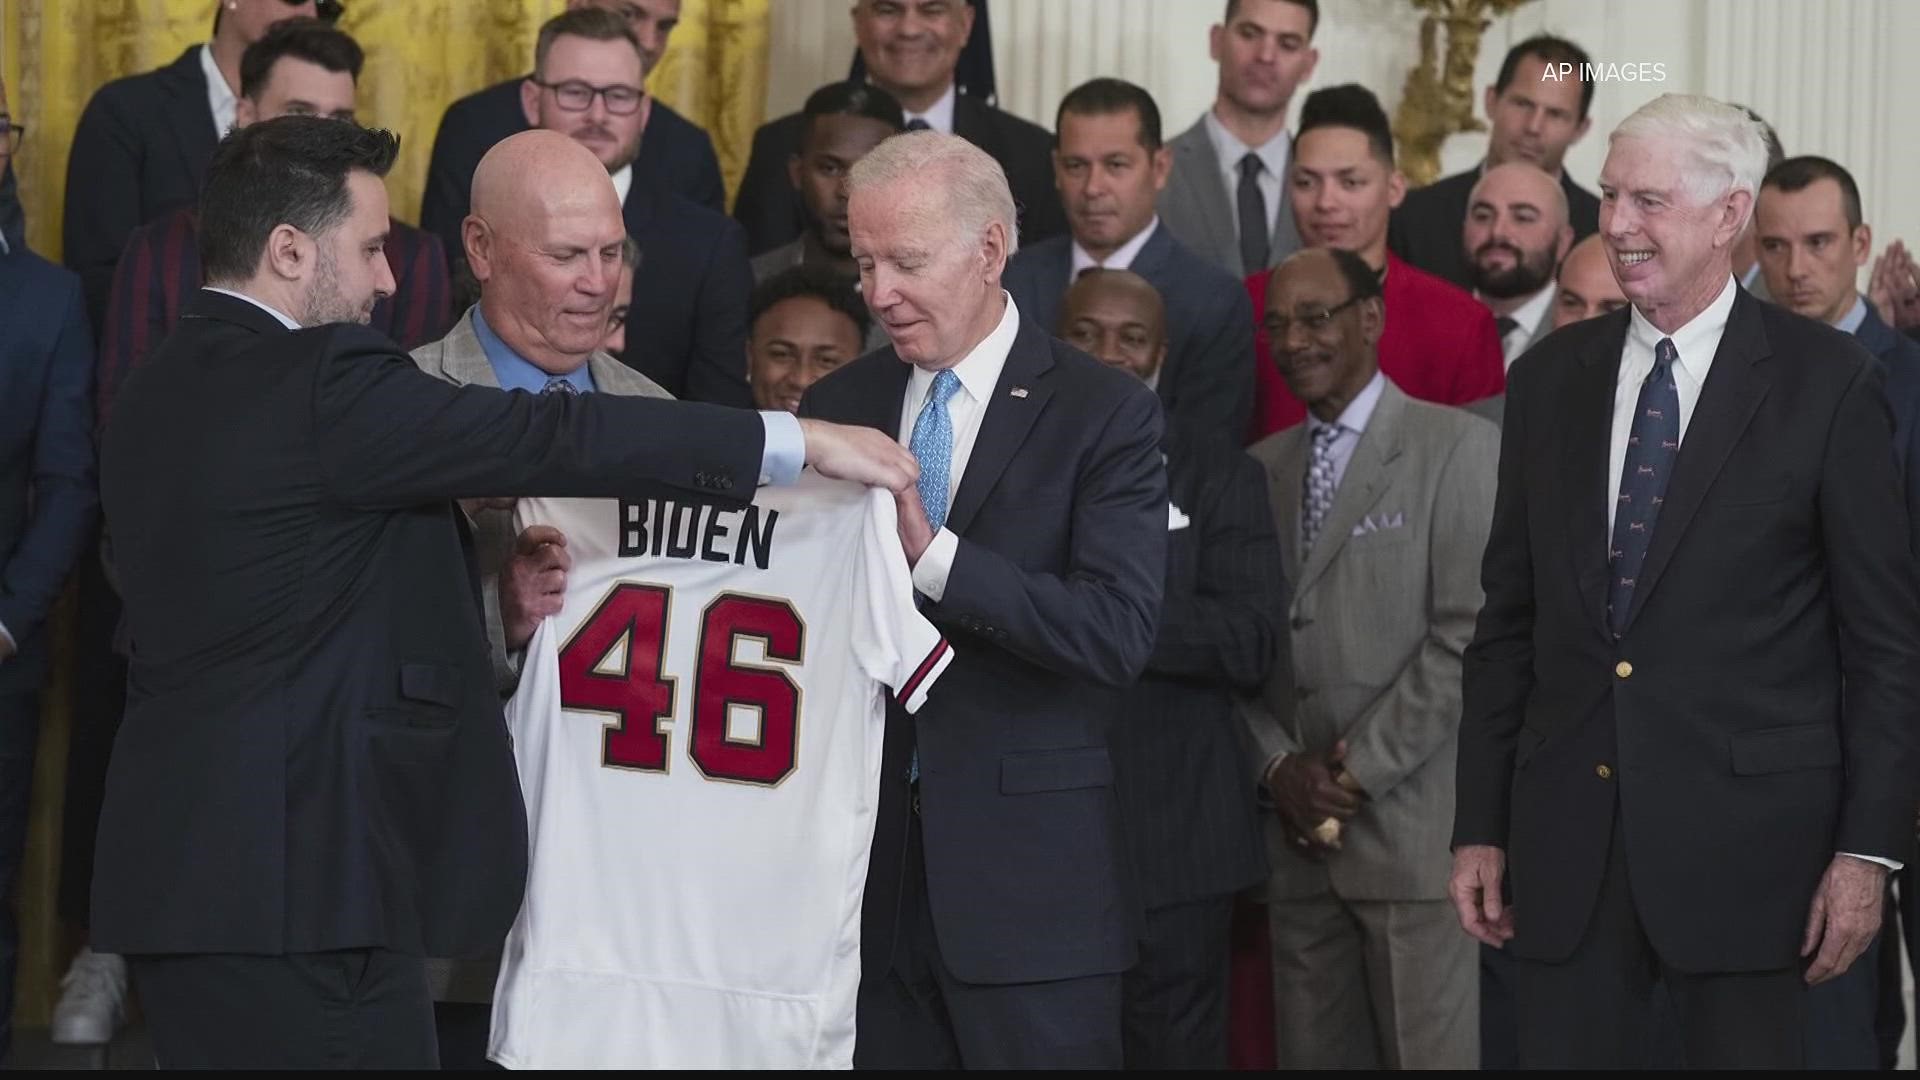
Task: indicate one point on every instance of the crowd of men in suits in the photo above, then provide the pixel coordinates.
(1337, 456)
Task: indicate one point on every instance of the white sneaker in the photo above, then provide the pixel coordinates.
(93, 1000)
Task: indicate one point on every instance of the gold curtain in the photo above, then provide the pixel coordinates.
(421, 55)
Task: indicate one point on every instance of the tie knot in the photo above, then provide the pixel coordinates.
(945, 384)
(1325, 435)
(1506, 324)
(918, 124)
(560, 384)
(1250, 165)
(1664, 353)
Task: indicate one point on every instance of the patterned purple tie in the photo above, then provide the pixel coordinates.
(1652, 446)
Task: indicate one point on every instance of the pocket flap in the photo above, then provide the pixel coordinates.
(431, 683)
(1055, 770)
(1784, 749)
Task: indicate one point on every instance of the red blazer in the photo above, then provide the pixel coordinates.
(161, 269)
(1439, 345)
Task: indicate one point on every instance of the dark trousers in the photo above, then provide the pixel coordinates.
(1499, 1029)
(1594, 1009)
(1843, 1013)
(19, 736)
(920, 1016)
(1174, 1001)
(352, 1009)
(99, 699)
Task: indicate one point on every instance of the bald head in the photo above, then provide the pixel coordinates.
(1586, 285)
(1118, 318)
(544, 241)
(1516, 231)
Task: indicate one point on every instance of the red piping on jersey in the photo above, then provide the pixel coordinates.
(913, 685)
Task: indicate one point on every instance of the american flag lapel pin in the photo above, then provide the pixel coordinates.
(1018, 391)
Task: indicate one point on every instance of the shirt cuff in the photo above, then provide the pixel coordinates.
(8, 636)
(1888, 863)
(930, 574)
(785, 453)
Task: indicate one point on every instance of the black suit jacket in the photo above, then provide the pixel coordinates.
(1207, 380)
(770, 208)
(141, 149)
(313, 755)
(1425, 229)
(1776, 573)
(1179, 748)
(1051, 607)
(673, 151)
(688, 324)
(13, 216)
(1900, 357)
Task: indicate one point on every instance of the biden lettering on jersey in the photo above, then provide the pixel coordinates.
(676, 529)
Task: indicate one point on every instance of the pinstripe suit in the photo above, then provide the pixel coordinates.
(1370, 967)
(1186, 800)
(161, 267)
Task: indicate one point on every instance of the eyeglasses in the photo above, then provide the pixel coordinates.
(1277, 325)
(576, 96)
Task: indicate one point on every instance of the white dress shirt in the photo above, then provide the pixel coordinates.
(285, 319)
(1527, 317)
(1273, 155)
(939, 115)
(1121, 259)
(979, 373)
(220, 97)
(623, 182)
(1352, 424)
(1696, 342)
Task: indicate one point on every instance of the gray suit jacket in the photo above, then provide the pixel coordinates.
(1383, 608)
(459, 359)
(1199, 208)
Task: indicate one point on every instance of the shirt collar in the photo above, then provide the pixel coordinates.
(1273, 153)
(623, 182)
(939, 115)
(1122, 257)
(979, 370)
(220, 96)
(1529, 314)
(1857, 314)
(285, 320)
(1359, 411)
(1689, 341)
(515, 372)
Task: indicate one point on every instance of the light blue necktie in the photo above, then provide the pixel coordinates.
(932, 446)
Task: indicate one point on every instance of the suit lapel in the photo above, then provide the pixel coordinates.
(463, 360)
(1735, 386)
(1588, 445)
(1008, 419)
(1360, 486)
(1283, 488)
(188, 114)
(1286, 236)
(1196, 159)
(12, 276)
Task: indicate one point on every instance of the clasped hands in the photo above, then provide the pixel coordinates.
(1313, 793)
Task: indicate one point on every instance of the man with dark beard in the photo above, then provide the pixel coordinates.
(1516, 232)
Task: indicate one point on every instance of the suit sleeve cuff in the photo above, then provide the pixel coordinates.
(1890, 864)
(930, 573)
(786, 449)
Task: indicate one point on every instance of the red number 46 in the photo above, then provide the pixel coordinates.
(641, 698)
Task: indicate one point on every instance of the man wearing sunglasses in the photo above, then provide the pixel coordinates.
(1382, 504)
(143, 143)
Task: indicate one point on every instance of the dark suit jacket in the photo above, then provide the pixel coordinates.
(161, 270)
(1051, 606)
(47, 498)
(770, 208)
(1207, 380)
(141, 149)
(313, 755)
(1776, 575)
(1900, 357)
(1439, 345)
(13, 216)
(687, 329)
(1179, 748)
(673, 151)
(1425, 228)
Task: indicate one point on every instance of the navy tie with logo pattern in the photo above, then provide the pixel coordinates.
(1652, 446)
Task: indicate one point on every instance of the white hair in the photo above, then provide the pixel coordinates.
(975, 185)
(1728, 147)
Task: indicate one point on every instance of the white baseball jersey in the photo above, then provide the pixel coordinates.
(698, 735)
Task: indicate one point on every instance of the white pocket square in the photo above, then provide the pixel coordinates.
(1380, 523)
(1177, 518)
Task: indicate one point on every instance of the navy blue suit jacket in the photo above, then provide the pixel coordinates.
(673, 151)
(1207, 380)
(1051, 606)
(687, 329)
(1900, 355)
(48, 501)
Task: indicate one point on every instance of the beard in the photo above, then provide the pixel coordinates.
(1528, 275)
(327, 303)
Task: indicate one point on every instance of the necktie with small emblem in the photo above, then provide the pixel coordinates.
(1652, 445)
(560, 384)
(1253, 216)
(1316, 498)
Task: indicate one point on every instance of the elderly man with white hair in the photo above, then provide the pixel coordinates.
(1693, 549)
(999, 914)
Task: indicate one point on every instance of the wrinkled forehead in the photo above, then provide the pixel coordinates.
(1651, 165)
(914, 211)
